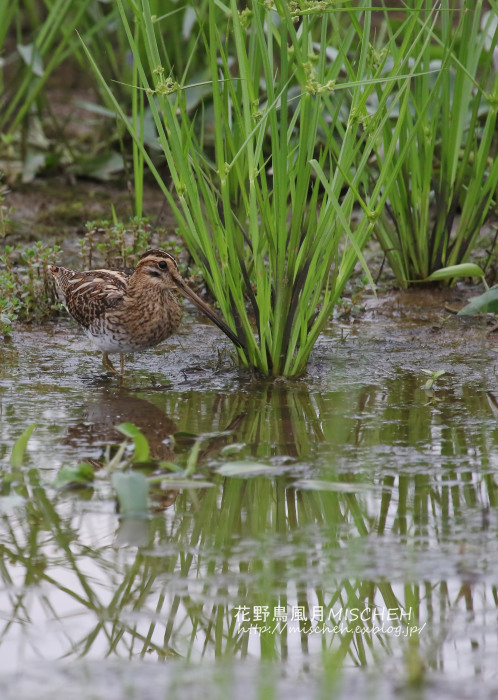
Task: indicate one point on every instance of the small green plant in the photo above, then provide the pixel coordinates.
(27, 290)
(5, 221)
(8, 307)
(433, 377)
(117, 244)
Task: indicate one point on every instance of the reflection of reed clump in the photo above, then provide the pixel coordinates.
(99, 421)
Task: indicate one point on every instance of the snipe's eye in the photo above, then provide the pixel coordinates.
(163, 264)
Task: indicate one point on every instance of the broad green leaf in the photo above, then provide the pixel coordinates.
(463, 270)
(434, 375)
(102, 167)
(485, 303)
(96, 109)
(31, 57)
(142, 452)
(33, 163)
(132, 491)
(83, 474)
(17, 456)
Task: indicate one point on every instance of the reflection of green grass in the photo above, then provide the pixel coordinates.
(250, 543)
(263, 541)
(198, 623)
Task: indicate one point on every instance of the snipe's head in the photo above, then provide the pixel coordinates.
(160, 268)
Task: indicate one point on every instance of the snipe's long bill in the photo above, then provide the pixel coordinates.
(129, 310)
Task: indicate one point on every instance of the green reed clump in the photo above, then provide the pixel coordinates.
(447, 185)
(27, 290)
(268, 214)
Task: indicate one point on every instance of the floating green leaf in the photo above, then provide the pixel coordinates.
(81, 475)
(17, 456)
(485, 303)
(233, 449)
(141, 453)
(174, 483)
(184, 438)
(132, 491)
(243, 468)
(339, 486)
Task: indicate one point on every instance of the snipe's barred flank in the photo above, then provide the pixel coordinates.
(128, 310)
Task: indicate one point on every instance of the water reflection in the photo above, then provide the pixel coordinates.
(100, 417)
(219, 569)
(369, 540)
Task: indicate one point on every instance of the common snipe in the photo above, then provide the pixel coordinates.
(128, 310)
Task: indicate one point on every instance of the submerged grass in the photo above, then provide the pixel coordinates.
(269, 214)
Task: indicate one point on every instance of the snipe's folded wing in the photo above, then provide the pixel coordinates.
(88, 295)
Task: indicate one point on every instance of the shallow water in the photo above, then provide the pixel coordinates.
(358, 497)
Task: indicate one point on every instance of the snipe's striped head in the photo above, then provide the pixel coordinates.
(160, 267)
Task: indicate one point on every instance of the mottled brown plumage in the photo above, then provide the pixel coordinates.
(128, 310)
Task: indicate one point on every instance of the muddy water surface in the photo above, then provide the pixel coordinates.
(343, 539)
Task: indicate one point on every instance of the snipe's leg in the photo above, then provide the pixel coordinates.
(109, 366)
(121, 359)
